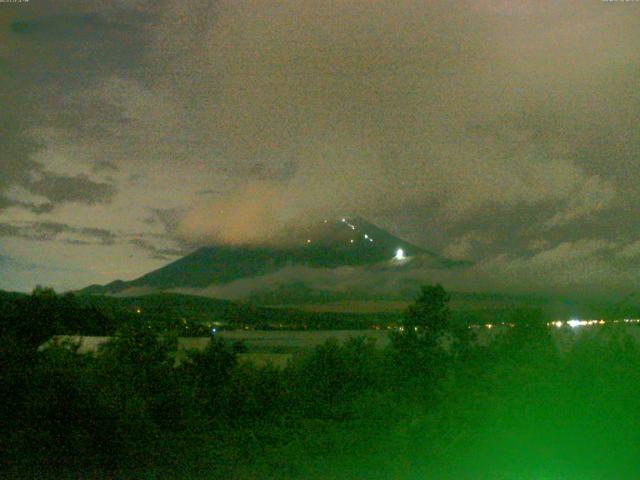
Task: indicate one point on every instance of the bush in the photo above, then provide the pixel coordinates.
(327, 380)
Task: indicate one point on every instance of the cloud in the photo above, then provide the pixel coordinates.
(5, 261)
(159, 247)
(48, 51)
(320, 109)
(105, 165)
(474, 128)
(593, 196)
(381, 281)
(49, 231)
(79, 188)
(464, 246)
(6, 202)
(582, 267)
(156, 252)
(168, 218)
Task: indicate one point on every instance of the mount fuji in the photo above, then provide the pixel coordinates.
(354, 244)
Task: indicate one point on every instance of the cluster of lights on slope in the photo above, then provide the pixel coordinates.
(353, 227)
(400, 255)
(366, 236)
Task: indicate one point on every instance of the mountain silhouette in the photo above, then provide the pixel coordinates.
(328, 244)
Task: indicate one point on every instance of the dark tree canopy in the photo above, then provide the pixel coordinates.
(430, 312)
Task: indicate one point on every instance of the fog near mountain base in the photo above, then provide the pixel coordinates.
(386, 281)
(354, 281)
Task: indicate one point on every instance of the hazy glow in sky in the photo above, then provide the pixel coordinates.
(500, 132)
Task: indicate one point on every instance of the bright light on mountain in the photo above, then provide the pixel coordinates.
(400, 254)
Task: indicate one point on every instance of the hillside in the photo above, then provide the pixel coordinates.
(174, 309)
(328, 245)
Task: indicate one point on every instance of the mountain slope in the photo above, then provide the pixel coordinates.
(346, 242)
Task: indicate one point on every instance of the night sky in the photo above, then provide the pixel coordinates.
(502, 132)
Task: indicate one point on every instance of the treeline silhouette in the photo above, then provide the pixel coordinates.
(170, 311)
(435, 403)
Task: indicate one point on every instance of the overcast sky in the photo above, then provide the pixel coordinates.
(505, 132)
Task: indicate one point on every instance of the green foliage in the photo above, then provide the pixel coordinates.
(332, 375)
(430, 313)
(208, 374)
(417, 348)
(528, 329)
(255, 394)
(31, 320)
(516, 407)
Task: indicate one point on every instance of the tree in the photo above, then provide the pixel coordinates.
(330, 377)
(415, 349)
(429, 314)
